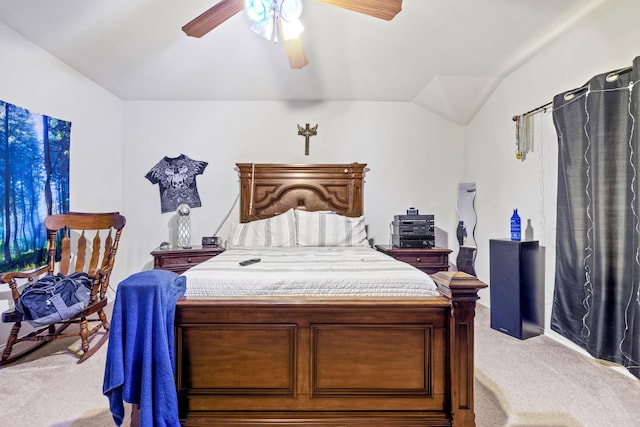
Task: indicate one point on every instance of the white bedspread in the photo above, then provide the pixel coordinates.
(305, 271)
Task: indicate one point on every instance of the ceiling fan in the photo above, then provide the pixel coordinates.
(225, 9)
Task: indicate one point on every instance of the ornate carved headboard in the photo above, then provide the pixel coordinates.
(269, 189)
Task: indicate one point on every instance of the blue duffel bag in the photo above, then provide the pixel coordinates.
(54, 298)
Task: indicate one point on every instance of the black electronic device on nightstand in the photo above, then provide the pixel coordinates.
(413, 230)
(210, 241)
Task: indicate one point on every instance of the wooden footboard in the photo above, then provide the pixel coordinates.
(302, 362)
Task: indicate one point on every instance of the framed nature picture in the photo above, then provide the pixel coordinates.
(34, 182)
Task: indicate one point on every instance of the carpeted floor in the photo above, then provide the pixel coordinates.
(540, 382)
(49, 389)
(530, 383)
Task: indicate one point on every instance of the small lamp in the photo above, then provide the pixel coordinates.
(184, 226)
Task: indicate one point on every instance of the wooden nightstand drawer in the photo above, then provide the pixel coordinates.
(180, 260)
(423, 260)
(428, 260)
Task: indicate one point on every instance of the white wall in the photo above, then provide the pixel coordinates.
(115, 143)
(402, 144)
(606, 42)
(33, 79)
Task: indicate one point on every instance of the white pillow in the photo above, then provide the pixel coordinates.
(279, 230)
(330, 229)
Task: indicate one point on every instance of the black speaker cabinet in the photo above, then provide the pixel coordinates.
(516, 288)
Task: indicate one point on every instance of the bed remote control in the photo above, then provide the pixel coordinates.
(249, 261)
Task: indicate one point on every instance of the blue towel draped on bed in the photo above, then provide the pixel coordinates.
(140, 357)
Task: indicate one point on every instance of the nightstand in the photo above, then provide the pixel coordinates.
(180, 260)
(429, 260)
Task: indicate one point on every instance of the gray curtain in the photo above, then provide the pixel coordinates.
(596, 302)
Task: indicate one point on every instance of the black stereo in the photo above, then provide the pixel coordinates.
(413, 241)
(413, 231)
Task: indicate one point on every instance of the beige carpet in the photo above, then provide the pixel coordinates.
(49, 389)
(538, 382)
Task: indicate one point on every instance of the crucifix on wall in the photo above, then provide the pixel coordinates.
(307, 132)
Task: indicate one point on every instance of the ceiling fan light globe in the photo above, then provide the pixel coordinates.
(257, 10)
(290, 10)
(264, 28)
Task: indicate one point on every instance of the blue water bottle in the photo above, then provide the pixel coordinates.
(515, 225)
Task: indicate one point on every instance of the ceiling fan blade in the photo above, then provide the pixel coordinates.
(211, 18)
(295, 53)
(383, 9)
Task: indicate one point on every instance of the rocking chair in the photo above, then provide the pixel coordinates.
(94, 257)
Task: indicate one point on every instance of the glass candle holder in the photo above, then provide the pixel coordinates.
(184, 226)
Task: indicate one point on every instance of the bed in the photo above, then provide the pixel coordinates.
(285, 357)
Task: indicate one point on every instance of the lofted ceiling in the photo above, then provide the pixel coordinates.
(446, 56)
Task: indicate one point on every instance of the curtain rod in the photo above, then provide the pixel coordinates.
(535, 110)
(610, 77)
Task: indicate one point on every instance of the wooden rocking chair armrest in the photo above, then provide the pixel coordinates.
(11, 276)
(100, 278)
(10, 279)
(99, 282)
(98, 273)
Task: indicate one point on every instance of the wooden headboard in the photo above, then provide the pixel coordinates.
(269, 189)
